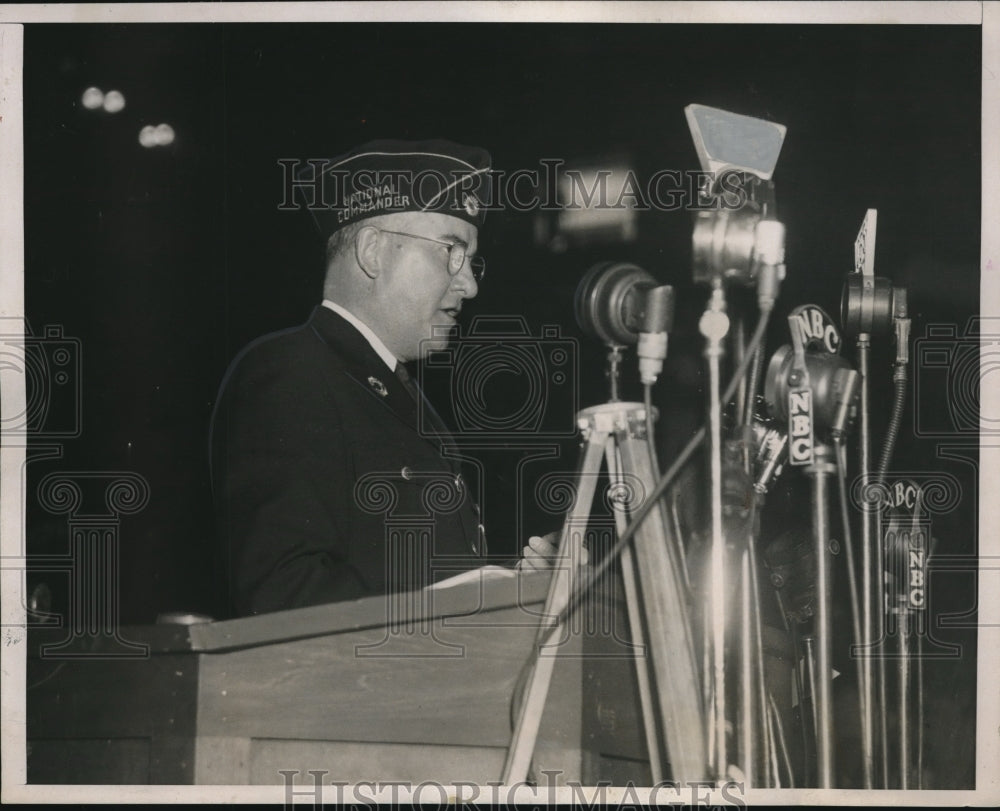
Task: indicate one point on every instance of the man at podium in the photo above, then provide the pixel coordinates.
(331, 473)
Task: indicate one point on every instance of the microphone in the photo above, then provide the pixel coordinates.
(610, 302)
(621, 304)
(869, 304)
(657, 320)
(907, 539)
(740, 152)
(833, 382)
(809, 384)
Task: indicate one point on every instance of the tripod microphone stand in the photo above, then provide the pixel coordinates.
(658, 614)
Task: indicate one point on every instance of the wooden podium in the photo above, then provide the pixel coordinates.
(412, 688)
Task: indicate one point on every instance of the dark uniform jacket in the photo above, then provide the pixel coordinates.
(326, 485)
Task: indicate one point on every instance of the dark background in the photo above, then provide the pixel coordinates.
(165, 262)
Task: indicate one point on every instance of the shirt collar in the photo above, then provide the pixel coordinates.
(364, 329)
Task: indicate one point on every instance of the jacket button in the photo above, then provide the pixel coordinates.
(406, 473)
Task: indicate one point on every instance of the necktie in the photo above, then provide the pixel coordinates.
(428, 420)
(407, 381)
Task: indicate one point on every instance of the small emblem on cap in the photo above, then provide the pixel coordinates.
(378, 385)
(471, 205)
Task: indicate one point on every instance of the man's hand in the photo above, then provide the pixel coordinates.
(540, 553)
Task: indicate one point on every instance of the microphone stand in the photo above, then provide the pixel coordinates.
(819, 473)
(613, 373)
(871, 629)
(769, 260)
(903, 665)
(765, 265)
(797, 383)
(866, 308)
(909, 621)
(818, 470)
(713, 325)
(658, 615)
(904, 611)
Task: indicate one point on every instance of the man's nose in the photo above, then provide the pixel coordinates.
(465, 282)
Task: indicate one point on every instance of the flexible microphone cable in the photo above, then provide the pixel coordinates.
(899, 379)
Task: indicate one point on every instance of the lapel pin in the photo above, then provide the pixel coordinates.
(379, 386)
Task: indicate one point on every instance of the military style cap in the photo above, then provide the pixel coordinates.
(389, 177)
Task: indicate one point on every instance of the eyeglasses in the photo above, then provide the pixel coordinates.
(457, 254)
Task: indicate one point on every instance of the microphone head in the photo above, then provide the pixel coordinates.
(610, 302)
(831, 379)
(659, 310)
(866, 305)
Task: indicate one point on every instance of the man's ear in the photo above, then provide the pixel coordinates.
(366, 251)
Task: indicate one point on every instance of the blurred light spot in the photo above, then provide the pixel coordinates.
(93, 98)
(114, 101)
(147, 136)
(160, 135)
(164, 135)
